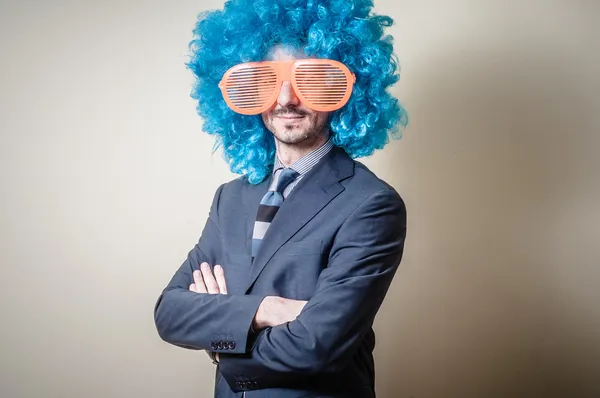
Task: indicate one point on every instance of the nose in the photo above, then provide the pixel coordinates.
(287, 96)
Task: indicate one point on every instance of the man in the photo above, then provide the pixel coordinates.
(297, 254)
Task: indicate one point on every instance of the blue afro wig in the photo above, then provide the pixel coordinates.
(342, 30)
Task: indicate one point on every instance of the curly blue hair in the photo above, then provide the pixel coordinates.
(343, 30)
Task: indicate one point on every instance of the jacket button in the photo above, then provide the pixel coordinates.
(232, 345)
(213, 345)
(220, 345)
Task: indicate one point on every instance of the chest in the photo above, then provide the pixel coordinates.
(293, 268)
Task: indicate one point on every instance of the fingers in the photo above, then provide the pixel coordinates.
(220, 277)
(199, 281)
(209, 280)
(206, 282)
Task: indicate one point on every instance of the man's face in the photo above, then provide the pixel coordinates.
(290, 121)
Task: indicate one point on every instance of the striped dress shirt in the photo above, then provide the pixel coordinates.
(302, 166)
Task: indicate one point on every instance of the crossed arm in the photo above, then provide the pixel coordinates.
(325, 334)
(272, 311)
(191, 315)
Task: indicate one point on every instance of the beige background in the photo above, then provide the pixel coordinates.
(106, 182)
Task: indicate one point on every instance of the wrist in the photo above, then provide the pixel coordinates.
(261, 319)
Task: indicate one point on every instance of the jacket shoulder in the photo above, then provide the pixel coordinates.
(235, 186)
(367, 183)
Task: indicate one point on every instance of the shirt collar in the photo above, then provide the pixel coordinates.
(306, 162)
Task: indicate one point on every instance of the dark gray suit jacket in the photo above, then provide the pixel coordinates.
(336, 241)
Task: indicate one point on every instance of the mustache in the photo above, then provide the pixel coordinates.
(291, 112)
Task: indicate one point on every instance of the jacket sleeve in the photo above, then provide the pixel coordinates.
(215, 322)
(363, 260)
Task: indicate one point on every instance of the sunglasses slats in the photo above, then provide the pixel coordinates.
(250, 88)
(321, 85)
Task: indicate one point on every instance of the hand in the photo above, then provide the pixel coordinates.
(206, 282)
(274, 310)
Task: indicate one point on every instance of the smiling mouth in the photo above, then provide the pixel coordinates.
(295, 117)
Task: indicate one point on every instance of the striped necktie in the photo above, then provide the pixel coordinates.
(269, 205)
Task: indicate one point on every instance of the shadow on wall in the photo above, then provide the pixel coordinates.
(497, 292)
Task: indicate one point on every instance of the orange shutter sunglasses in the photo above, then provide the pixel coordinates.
(323, 85)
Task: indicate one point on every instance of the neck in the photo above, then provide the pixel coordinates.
(290, 153)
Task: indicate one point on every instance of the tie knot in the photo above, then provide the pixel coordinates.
(286, 177)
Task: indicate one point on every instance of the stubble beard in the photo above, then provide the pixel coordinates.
(290, 134)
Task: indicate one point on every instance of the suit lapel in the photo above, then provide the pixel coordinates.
(316, 189)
